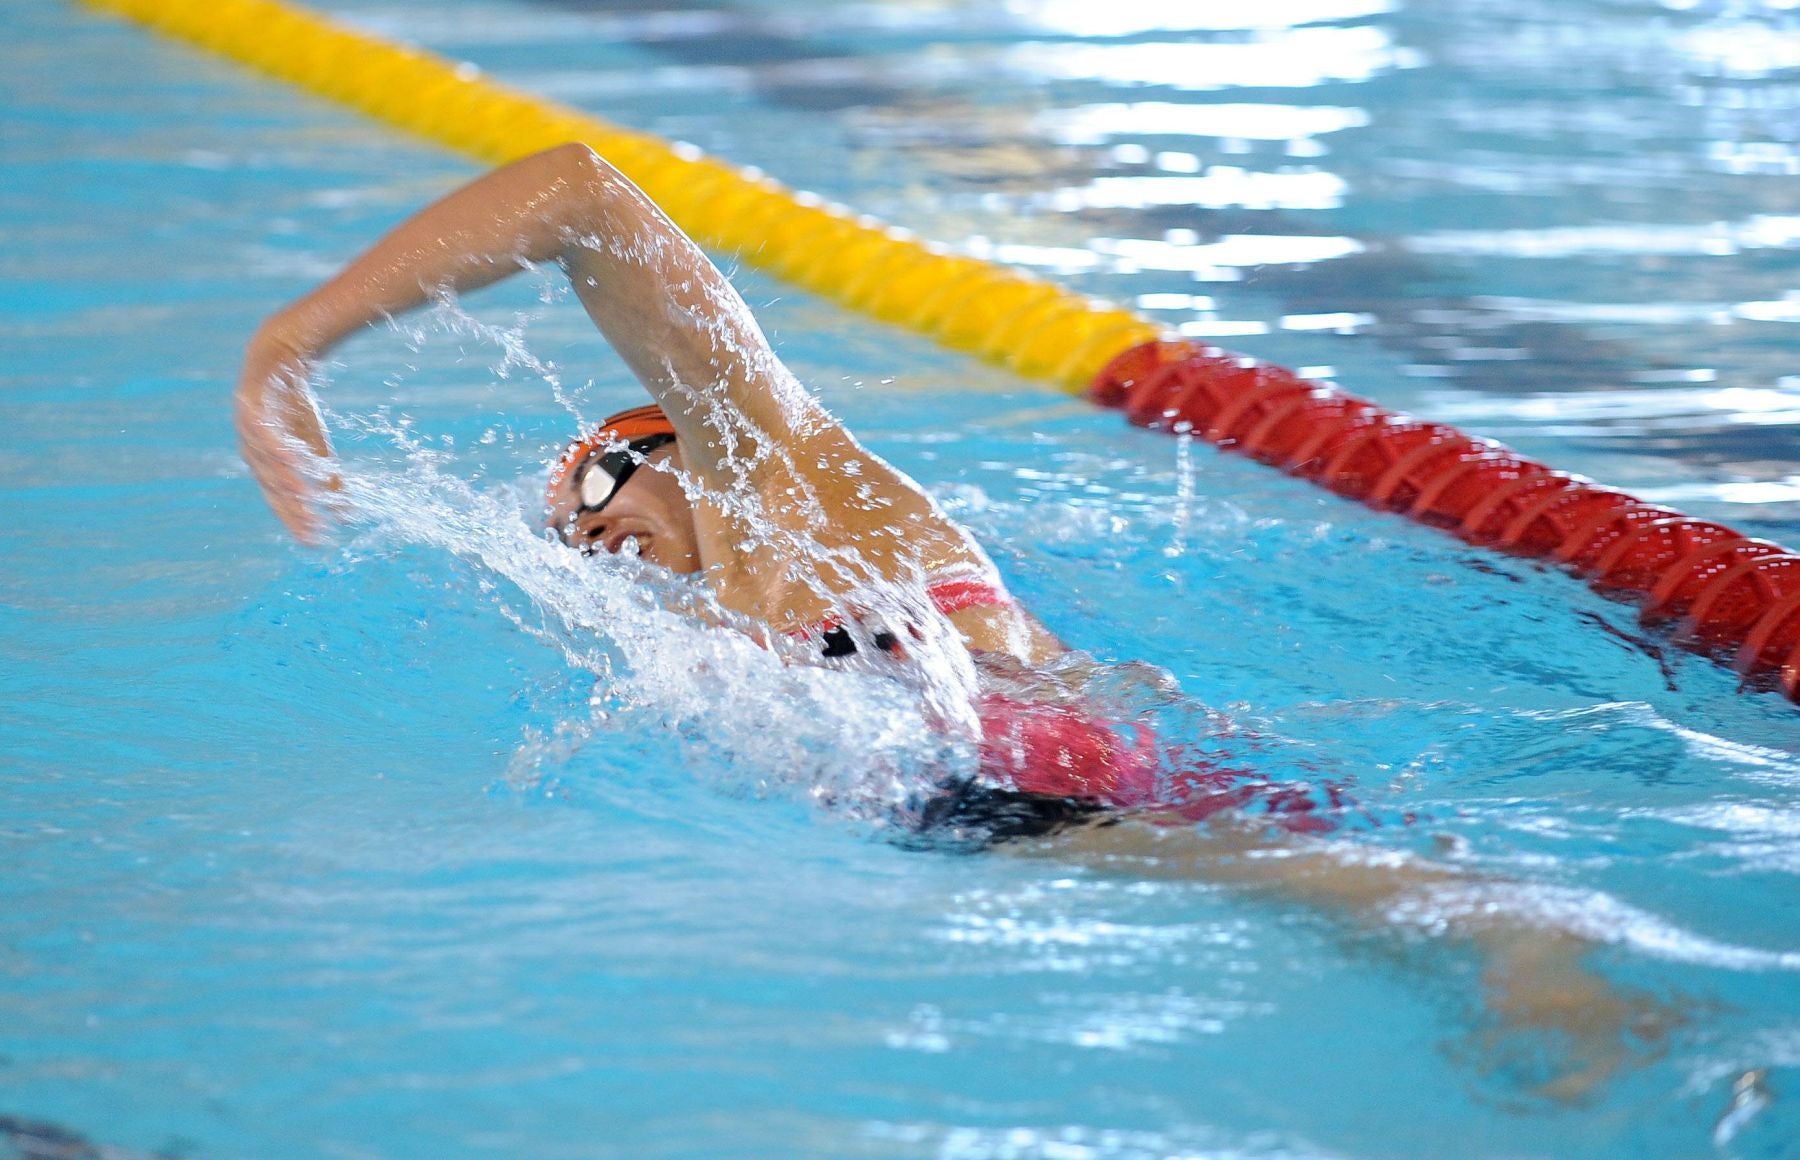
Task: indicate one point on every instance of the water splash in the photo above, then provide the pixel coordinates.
(1591, 914)
(747, 707)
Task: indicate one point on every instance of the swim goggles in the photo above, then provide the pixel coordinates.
(598, 464)
(600, 476)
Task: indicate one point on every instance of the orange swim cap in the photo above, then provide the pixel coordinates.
(632, 426)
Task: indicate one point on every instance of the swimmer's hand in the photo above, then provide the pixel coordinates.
(1547, 1007)
(281, 435)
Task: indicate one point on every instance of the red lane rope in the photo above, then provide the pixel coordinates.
(1727, 595)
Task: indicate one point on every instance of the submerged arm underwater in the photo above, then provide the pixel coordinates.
(1544, 1003)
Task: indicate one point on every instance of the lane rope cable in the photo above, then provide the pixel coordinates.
(1721, 592)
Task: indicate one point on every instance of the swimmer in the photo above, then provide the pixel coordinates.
(736, 474)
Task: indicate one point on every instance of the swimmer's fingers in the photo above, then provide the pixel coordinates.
(1538, 991)
(290, 476)
(284, 444)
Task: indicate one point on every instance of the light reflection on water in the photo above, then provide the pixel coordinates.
(1647, 409)
(1230, 250)
(1297, 58)
(1222, 186)
(1742, 49)
(1705, 239)
(1138, 17)
(1096, 124)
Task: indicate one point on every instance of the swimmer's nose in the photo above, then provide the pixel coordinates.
(589, 539)
(601, 537)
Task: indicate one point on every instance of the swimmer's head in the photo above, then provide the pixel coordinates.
(618, 483)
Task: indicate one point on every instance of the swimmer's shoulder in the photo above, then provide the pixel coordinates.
(1012, 631)
(971, 595)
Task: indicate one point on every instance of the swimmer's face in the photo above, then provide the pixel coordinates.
(650, 508)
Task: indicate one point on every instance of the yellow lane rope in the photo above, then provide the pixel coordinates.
(1039, 330)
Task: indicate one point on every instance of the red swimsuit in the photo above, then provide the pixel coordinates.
(1059, 752)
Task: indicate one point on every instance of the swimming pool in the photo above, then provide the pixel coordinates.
(341, 853)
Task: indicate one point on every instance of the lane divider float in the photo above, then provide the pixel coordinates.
(1719, 591)
(1723, 593)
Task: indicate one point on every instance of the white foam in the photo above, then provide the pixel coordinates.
(746, 706)
(1591, 914)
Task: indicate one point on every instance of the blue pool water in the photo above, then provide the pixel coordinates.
(406, 848)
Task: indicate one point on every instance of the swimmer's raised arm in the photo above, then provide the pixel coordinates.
(671, 315)
(791, 514)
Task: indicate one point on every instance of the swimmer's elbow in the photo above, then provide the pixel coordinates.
(591, 204)
(578, 161)
(589, 186)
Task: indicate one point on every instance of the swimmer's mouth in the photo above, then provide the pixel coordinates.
(615, 543)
